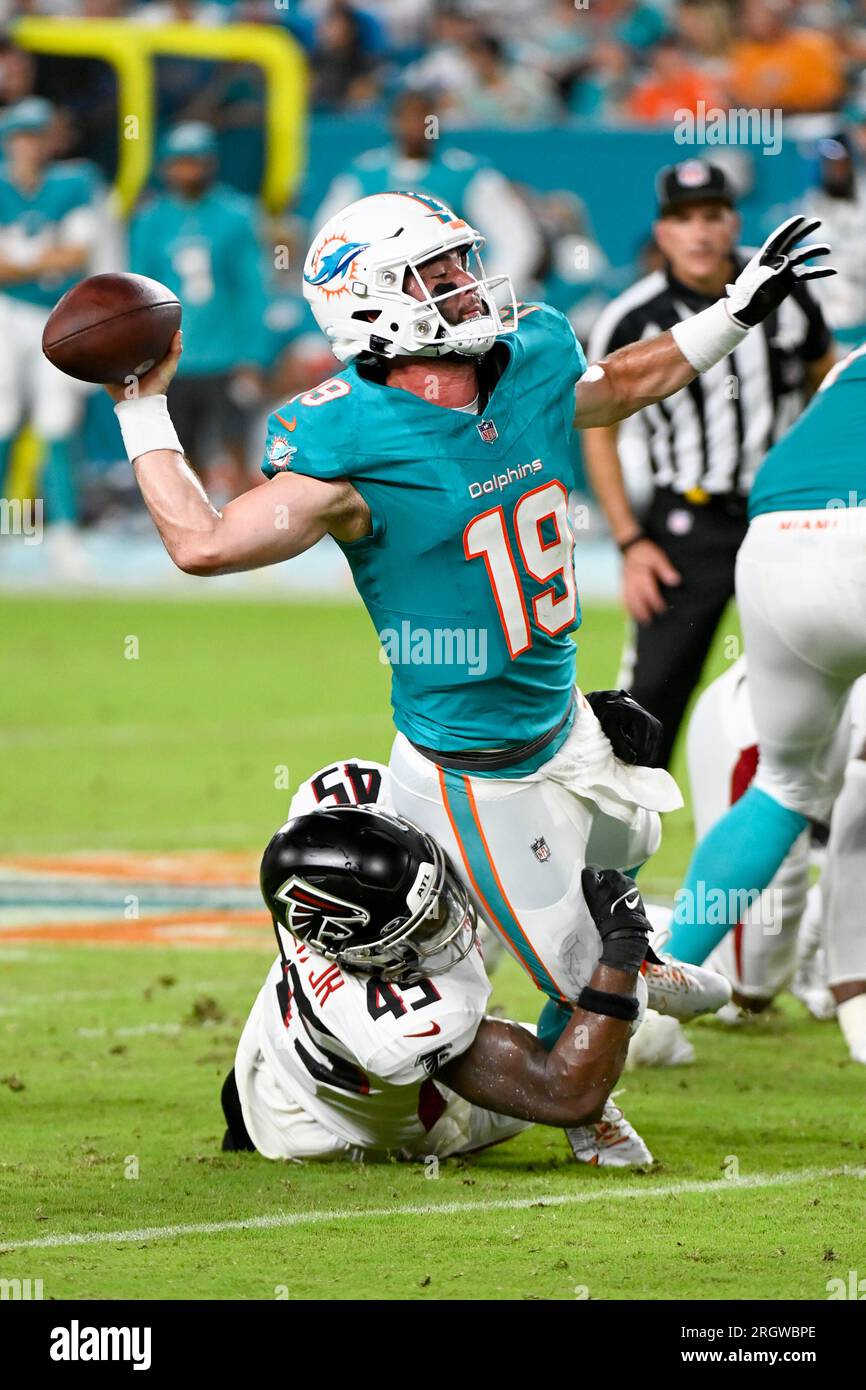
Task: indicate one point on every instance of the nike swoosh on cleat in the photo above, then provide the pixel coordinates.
(428, 1033)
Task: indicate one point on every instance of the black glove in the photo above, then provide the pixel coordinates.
(635, 734)
(618, 912)
(773, 272)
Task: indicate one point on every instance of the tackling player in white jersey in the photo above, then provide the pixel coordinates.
(369, 1036)
(364, 1027)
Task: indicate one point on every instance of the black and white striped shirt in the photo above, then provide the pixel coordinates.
(715, 432)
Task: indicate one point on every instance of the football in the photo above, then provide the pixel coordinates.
(109, 328)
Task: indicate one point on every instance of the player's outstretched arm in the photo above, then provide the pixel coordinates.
(270, 523)
(646, 372)
(507, 1070)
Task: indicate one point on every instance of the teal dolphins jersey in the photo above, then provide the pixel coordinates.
(468, 573)
(208, 253)
(52, 214)
(821, 461)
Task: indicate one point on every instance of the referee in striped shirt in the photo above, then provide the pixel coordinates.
(704, 443)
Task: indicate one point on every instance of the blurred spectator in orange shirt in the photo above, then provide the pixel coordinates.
(706, 29)
(672, 85)
(775, 65)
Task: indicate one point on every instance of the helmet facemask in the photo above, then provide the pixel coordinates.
(440, 932)
(430, 331)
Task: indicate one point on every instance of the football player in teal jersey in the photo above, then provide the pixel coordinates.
(419, 158)
(200, 238)
(439, 461)
(801, 590)
(49, 228)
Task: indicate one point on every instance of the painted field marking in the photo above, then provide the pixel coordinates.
(281, 1220)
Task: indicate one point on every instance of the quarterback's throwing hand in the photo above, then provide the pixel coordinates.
(155, 382)
(773, 271)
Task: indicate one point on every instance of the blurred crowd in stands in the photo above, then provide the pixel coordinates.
(504, 64)
(520, 62)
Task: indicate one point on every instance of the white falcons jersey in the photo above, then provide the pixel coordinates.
(357, 1053)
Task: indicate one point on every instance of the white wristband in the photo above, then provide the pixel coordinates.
(145, 425)
(708, 337)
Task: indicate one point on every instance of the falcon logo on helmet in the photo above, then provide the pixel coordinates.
(312, 914)
(362, 281)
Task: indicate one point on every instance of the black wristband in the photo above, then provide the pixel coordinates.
(623, 546)
(598, 1001)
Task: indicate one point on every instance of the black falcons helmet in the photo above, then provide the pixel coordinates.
(370, 891)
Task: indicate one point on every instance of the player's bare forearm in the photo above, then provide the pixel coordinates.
(642, 373)
(630, 379)
(14, 272)
(63, 260)
(264, 526)
(56, 260)
(507, 1070)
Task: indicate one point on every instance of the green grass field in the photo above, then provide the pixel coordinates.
(111, 1056)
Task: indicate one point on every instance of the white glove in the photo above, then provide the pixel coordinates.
(773, 271)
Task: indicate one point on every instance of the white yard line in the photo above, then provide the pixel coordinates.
(280, 1220)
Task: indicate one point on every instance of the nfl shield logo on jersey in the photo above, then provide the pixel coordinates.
(488, 431)
(541, 849)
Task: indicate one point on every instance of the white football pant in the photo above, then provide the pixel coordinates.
(801, 590)
(520, 844)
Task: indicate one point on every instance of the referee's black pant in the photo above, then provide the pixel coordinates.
(669, 652)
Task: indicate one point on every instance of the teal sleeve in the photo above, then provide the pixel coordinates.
(319, 444)
(298, 443)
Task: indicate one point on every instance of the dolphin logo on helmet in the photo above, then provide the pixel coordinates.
(335, 262)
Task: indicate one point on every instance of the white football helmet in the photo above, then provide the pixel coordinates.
(356, 269)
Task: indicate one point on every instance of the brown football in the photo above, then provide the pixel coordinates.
(109, 328)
